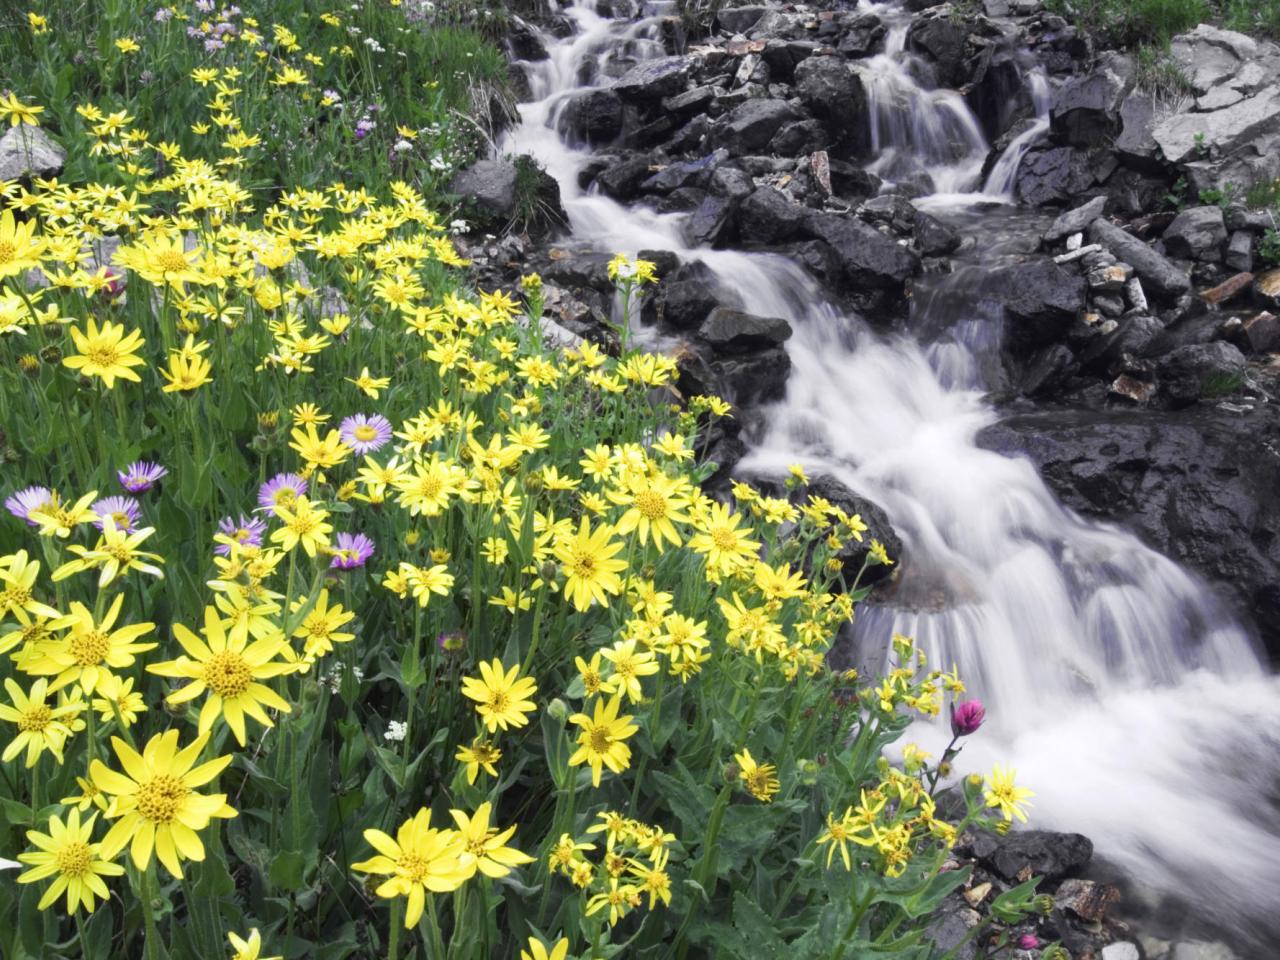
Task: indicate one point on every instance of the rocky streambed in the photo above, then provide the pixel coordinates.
(990, 291)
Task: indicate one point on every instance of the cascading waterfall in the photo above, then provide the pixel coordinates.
(1127, 699)
(1001, 179)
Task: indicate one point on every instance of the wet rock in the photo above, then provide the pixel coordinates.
(622, 181)
(523, 42)
(27, 151)
(854, 553)
(594, 118)
(1053, 175)
(1198, 485)
(783, 56)
(651, 80)
(942, 40)
(1087, 899)
(750, 126)
(766, 216)
(1200, 370)
(834, 93)
(998, 93)
(1133, 192)
(1130, 338)
(851, 182)
(1158, 274)
(1266, 289)
(731, 182)
(1197, 233)
(1041, 299)
(691, 173)
(1260, 333)
(1183, 136)
(684, 304)
(697, 100)
(1047, 371)
(494, 190)
(1043, 853)
(867, 255)
(753, 379)
(933, 237)
(1239, 255)
(1086, 110)
(733, 331)
(799, 139)
(739, 19)
(863, 37)
(578, 270)
(1075, 220)
(709, 223)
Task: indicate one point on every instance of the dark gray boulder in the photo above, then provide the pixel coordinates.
(511, 193)
(651, 80)
(1197, 233)
(739, 19)
(749, 127)
(684, 304)
(1086, 110)
(1041, 299)
(867, 255)
(1053, 175)
(1076, 220)
(1158, 274)
(1200, 370)
(594, 118)
(709, 223)
(933, 237)
(943, 40)
(1197, 484)
(622, 181)
(730, 331)
(754, 378)
(834, 93)
(767, 216)
(1046, 854)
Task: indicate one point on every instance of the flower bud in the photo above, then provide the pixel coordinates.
(808, 772)
(1043, 904)
(558, 710)
(967, 717)
(1029, 941)
(731, 773)
(548, 570)
(1055, 952)
(1002, 827)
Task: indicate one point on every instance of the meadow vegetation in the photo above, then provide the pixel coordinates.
(342, 615)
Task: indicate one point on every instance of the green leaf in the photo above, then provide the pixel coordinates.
(287, 870)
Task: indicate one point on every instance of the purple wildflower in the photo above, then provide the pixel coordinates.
(281, 490)
(365, 434)
(164, 15)
(1029, 941)
(123, 511)
(351, 550)
(452, 641)
(204, 6)
(246, 531)
(140, 476)
(23, 502)
(967, 717)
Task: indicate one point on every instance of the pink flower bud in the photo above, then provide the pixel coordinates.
(115, 283)
(1028, 941)
(967, 717)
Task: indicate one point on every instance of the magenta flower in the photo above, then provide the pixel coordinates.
(21, 504)
(246, 531)
(123, 511)
(351, 550)
(140, 476)
(1029, 941)
(365, 434)
(967, 717)
(281, 490)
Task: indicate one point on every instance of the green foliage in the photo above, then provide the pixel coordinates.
(1269, 247)
(1253, 17)
(1225, 197)
(1159, 74)
(1134, 22)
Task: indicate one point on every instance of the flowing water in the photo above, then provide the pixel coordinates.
(1127, 699)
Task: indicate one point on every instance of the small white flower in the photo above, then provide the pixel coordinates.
(439, 163)
(459, 226)
(402, 146)
(395, 731)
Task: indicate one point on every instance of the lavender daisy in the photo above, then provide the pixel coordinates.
(23, 502)
(246, 531)
(351, 550)
(141, 475)
(365, 434)
(123, 511)
(281, 490)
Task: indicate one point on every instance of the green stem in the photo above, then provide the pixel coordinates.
(437, 938)
(858, 912)
(393, 933)
(146, 880)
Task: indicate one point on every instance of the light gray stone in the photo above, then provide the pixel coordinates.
(1124, 950)
(1074, 221)
(1224, 131)
(1239, 255)
(1202, 950)
(1208, 56)
(1155, 269)
(1219, 97)
(1197, 233)
(29, 152)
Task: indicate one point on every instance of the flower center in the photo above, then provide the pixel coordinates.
(303, 523)
(723, 538)
(227, 674)
(171, 261)
(75, 859)
(104, 356)
(429, 487)
(583, 566)
(35, 719)
(90, 647)
(413, 867)
(160, 797)
(600, 740)
(364, 433)
(7, 251)
(120, 553)
(651, 504)
(499, 702)
(15, 595)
